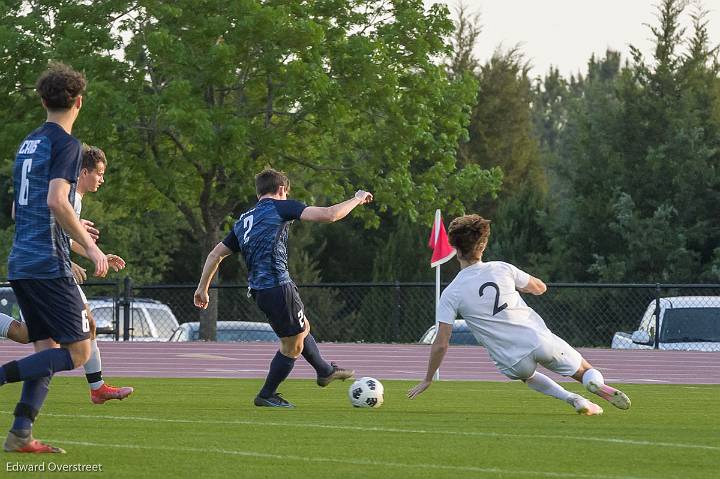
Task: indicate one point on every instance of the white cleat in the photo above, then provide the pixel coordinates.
(614, 396)
(585, 407)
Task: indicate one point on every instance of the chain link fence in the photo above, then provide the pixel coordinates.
(626, 316)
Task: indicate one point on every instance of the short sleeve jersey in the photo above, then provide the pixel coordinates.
(41, 249)
(485, 295)
(261, 235)
(77, 205)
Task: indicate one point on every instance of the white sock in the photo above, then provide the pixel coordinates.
(5, 322)
(94, 364)
(592, 375)
(543, 384)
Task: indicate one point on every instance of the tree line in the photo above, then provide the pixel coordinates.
(609, 175)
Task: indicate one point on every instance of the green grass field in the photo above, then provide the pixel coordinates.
(207, 428)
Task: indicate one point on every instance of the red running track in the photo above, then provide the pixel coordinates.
(386, 361)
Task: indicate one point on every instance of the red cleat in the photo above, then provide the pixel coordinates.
(107, 392)
(15, 443)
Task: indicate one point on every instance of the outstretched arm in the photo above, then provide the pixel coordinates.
(330, 214)
(534, 286)
(437, 354)
(219, 253)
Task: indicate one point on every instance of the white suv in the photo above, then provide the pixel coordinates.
(687, 323)
(150, 320)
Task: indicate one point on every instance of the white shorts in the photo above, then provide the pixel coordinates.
(553, 353)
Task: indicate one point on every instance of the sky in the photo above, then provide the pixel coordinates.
(565, 33)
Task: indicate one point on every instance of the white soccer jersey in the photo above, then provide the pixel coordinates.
(77, 204)
(485, 296)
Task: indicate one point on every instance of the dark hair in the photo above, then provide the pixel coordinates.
(60, 86)
(91, 156)
(469, 235)
(269, 180)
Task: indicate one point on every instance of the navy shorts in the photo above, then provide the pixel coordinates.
(52, 308)
(283, 307)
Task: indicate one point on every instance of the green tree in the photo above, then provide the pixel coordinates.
(32, 34)
(639, 153)
(341, 96)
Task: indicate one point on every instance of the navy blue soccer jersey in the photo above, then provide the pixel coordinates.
(261, 235)
(41, 249)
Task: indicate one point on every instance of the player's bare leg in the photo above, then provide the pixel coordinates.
(594, 382)
(13, 329)
(100, 391)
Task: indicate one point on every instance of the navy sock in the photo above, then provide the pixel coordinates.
(311, 353)
(280, 368)
(32, 398)
(44, 363)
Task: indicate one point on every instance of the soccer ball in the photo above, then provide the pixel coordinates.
(366, 392)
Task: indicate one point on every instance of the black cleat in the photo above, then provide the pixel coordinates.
(276, 400)
(338, 373)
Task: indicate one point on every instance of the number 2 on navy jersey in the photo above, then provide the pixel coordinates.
(247, 224)
(25, 183)
(496, 308)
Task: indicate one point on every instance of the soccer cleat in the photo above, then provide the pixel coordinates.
(276, 400)
(338, 373)
(107, 392)
(585, 407)
(614, 396)
(15, 443)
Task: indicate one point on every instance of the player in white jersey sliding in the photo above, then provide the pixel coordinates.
(516, 337)
(92, 173)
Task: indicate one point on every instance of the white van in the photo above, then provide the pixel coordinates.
(687, 323)
(150, 320)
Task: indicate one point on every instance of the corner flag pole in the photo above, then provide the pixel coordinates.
(442, 252)
(436, 229)
(437, 301)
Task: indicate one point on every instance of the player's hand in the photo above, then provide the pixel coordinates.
(78, 272)
(115, 262)
(99, 260)
(201, 299)
(90, 228)
(417, 390)
(363, 196)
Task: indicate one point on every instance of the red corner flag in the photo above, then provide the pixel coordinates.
(442, 251)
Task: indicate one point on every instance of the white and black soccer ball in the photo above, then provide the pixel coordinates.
(366, 392)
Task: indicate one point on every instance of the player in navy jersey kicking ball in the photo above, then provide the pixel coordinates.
(261, 234)
(47, 165)
(515, 336)
(92, 176)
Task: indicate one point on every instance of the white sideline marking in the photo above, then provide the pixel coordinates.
(633, 442)
(357, 462)
(201, 356)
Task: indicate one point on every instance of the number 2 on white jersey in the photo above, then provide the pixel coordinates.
(496, 308)
(247, 224)
(25, 182)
